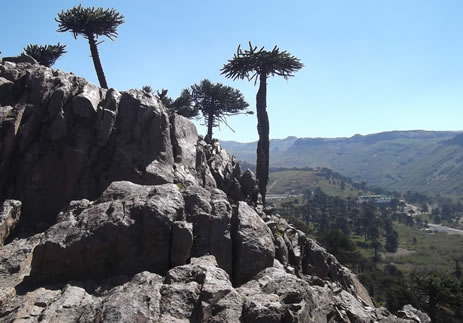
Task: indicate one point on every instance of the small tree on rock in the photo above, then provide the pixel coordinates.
(45, 55)
(182, 105)
(216, 102)
(259, 64)
(91, 23)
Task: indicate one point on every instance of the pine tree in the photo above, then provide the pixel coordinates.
(91, 23)
(45, 55)
(216, 102)
(259, 64)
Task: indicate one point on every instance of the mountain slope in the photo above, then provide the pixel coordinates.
(247, 151)
(297, 181)
(423, 161)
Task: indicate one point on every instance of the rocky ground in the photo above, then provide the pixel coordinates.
(113, 210)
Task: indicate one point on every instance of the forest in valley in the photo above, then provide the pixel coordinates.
(386, 244)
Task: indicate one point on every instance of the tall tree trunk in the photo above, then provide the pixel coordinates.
(263, 129)
(210, 125)
(96, 61)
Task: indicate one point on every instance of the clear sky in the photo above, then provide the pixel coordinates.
(370, 66)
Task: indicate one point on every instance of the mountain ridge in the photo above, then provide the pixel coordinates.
(420, 160)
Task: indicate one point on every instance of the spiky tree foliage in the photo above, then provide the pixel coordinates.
(45, 55)
(147, 89)
(91, 23)
(182, 105)
(254, 64)
(216, 102)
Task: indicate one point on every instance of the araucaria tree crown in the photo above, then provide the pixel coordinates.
(45, 55)
(216, 102)
(252, 63)
(255, 63)
(91, 23)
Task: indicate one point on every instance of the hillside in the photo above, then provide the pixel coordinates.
(422, 161)
(300, 180)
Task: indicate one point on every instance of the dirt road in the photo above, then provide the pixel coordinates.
(449, 230)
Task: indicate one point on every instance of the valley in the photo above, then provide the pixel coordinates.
(420, 161)
(393, 247)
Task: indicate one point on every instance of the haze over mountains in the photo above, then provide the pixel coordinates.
(417, 160)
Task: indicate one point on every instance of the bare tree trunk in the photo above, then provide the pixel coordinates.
(96, 61)
(263, 128)
(210, 125)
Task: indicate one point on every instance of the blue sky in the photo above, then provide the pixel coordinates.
(370, 66)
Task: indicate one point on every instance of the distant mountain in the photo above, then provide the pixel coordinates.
(422, 161)
(247, 151)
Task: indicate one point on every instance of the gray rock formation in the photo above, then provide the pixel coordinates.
(411, 313)
(9, 218)
(140, 220)
(63, 138)
(253, 248)
(131, 228)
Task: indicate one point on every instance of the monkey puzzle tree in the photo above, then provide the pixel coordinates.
(259, 64)
(182, 105)
(91, 23)
(45, 55)
(216, 102)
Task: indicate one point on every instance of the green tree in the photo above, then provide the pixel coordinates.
(148, 89)
(91, 23)
(392, 241)
(216, 102)
(392, 237)
(258, 64)
(376, 245)
(438, 294)
(182, 105)
(45, 55)
(298, 224)
(339, 245)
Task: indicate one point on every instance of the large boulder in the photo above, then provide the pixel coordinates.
(184, 139)
(249, 186)
(210, 213)
(253, 248)
(129, 229)
(182, 241)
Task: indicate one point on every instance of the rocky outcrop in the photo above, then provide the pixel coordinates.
(199, 291)
(196, 292)
(253, 248)
(63, 138)
(410, 313)
(142, 221)
(9, 218)
(131, 228)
